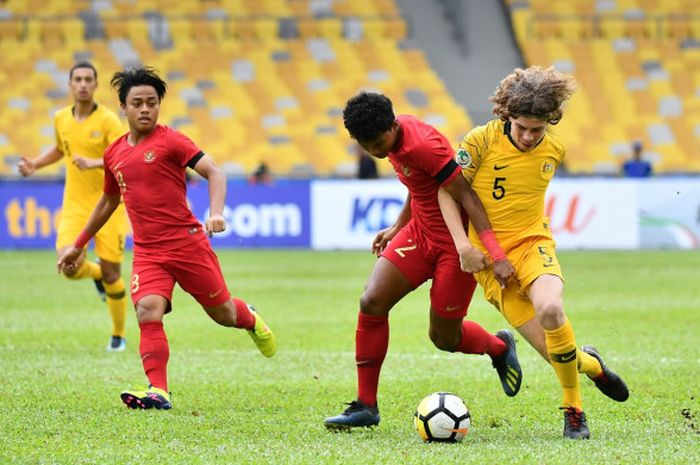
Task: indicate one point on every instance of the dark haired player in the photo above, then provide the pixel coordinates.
(416, 248)
(83, 132)
(147, 168)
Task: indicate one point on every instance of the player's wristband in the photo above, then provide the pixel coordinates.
(488, 238)
(82, 239)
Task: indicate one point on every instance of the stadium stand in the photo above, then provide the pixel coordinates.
(637, 63)
(249, 80)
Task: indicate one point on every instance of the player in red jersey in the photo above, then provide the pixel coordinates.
(417, 248)
(147, 168)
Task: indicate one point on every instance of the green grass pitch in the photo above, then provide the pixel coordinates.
(59, 389)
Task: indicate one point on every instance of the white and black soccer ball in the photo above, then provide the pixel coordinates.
(442, 417)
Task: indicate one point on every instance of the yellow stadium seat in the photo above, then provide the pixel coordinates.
(612, 27)
(395, 28)
(137, 31)
(115, 28)
(676, 27)
(52, 33)
(330, 27)
(74, 33)
(373, 29)
(241, 29)
(643, 28)
(180, 30)
(206, 30)
(310, 27)
(11, 30)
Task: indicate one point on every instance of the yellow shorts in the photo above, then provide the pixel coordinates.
(109, 241)
(532, 258)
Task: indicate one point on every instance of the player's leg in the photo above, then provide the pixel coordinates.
(109, 246)
(474, 339)
(533, 333)
(540, 266)
(155, 353)
(151, 290)
(238, 314)
(115, 291)
(385, 287)
(589, 360)
(204, 280)
(546, 296)
(450, 295)
(399, 270)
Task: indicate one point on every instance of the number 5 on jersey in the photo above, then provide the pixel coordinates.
(498, 190)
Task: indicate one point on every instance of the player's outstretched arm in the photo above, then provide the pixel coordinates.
(103, 210)
(216, 178)
(27, 166)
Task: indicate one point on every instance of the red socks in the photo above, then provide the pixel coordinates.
(155, 353)
(371, 344)
(244, 318)
(476, 340)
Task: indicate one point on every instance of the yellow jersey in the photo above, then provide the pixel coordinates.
(87, 138)
(510, 183)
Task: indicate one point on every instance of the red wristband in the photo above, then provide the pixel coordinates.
(82, 239)
(488, 238)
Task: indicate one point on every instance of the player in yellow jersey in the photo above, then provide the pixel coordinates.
(509, 163)
(83, 131)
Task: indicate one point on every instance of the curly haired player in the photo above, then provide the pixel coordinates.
(509, 163)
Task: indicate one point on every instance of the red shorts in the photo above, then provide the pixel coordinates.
(420, 259)
(194, 267)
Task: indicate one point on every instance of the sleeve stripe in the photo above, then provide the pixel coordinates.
(194, 160)
(446, 172)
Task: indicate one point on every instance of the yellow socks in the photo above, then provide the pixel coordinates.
(561, 346)
(116, 302)
(588, 365)
(87, 270)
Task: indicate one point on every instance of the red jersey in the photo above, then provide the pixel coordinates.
(424, 161)
(151, 178)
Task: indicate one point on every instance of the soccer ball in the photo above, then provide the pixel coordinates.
(442, 417)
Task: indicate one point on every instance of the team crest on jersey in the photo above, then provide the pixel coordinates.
(463, 158)
(149, 157)
(96, 135)
(406, 170)
(547, 170)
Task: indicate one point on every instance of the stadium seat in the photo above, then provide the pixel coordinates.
(12, 30)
